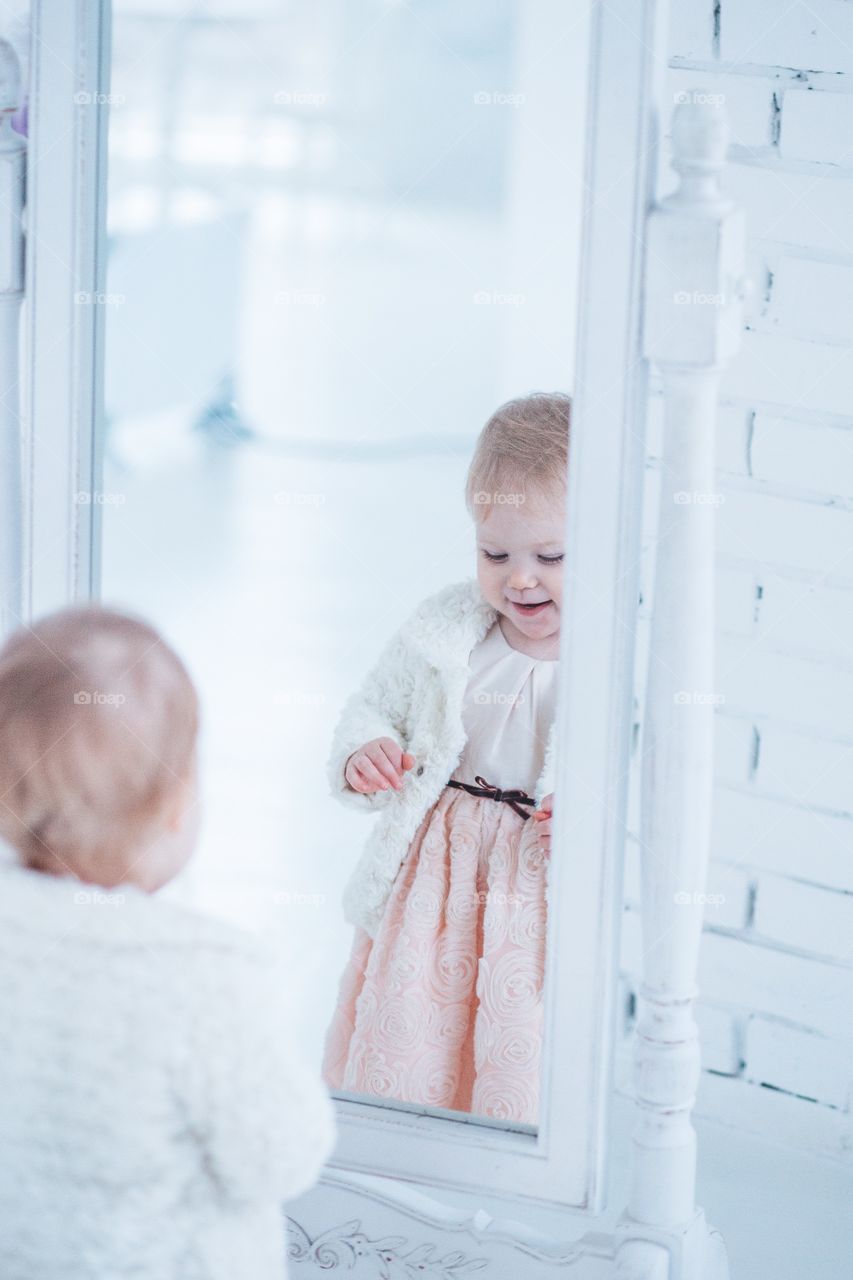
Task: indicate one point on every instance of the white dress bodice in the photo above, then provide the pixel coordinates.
(509, 705)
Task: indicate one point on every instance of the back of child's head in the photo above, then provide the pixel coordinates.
(98, 727)
(521, 452)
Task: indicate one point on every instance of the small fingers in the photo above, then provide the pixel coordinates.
(372, 778)
(547, 805)
(385, 765)
(399, 760)
(542, 831)
(378, 766)
(355, 780)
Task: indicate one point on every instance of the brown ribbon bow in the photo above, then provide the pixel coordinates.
(513, 798)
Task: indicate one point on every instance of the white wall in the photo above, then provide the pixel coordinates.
(776, 969)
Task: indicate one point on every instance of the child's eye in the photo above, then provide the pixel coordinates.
(551, 559)
(497, 557)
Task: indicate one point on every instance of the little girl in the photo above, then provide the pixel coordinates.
(152, 1116)
(451, 739)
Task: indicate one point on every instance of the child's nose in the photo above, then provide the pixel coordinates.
(520, 579)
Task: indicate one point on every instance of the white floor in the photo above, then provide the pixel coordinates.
(782, 1215)
(279, 578)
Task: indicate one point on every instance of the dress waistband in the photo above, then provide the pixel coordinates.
(513, 798)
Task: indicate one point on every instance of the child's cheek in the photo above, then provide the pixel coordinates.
(489, 581)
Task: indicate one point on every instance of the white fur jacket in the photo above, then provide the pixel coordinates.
(414, 694)
(152, 1114)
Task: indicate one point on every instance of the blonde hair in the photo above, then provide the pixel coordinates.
(98, 725)
(523, 446)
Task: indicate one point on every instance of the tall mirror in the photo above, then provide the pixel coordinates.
(340, 327)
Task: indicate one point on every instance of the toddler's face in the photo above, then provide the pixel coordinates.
(520, 565)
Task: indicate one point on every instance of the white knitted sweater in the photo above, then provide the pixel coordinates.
(152, 1119)
(414, 694)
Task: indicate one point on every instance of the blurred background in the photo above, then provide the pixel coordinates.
(340, 234)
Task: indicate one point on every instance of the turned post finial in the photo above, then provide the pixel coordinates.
(699, 143)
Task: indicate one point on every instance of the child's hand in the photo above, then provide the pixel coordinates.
(542, 818)
(378, 766)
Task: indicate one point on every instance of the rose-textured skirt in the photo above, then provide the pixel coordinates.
(444, 1006)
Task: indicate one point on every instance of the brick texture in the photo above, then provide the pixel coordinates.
(775, 1009)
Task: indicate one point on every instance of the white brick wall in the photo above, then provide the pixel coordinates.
(817, 127)
(775, 1012)
(814, 35)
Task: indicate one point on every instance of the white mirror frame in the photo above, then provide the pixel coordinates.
(564, 1162)
(64, 324)
(692, 240)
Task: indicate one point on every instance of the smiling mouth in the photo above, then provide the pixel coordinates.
(530, 610)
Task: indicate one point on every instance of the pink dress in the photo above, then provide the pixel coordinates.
(444, 1006)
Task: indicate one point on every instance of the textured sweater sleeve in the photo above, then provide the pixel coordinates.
(265, 1123)
(379, 709)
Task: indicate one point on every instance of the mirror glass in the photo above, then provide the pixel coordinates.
(340, 236)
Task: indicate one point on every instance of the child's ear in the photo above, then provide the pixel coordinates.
(182, 796)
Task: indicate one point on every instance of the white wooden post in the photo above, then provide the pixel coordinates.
(694, 287)
(65, 273)
(12, 150)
